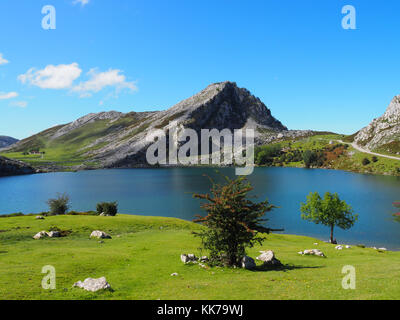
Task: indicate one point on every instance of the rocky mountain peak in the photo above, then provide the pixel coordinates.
(384, 131)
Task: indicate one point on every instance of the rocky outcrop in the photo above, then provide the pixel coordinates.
(384, 132)
(10, 167)
(7, 141)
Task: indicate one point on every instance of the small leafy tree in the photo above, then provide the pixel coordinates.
(59, 205)
(108, 208)
(233, 222)
(329, 211)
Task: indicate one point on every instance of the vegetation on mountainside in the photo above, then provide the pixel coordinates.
(324, 151)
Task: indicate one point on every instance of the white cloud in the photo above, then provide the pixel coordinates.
(100, 80)
(82, 2)
(19, 104)
(52, 77)
(2, 60)
(9, 95)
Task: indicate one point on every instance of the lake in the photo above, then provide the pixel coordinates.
(168, 193)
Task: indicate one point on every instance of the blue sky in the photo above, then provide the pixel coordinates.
(131, 55)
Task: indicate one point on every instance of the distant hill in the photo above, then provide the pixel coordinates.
(115, 139)
(383, 134)
(10, 167)
(7, 141)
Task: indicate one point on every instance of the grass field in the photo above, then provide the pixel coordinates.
(144, 251)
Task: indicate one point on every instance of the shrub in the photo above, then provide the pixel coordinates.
(374, 159)
(108, 208)
(233, 222)
(365, 161)
(59, 205)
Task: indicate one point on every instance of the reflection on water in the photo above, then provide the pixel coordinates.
(168, 192)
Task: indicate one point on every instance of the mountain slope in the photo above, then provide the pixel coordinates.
(7, 141)
(382, 134)
(115, 139)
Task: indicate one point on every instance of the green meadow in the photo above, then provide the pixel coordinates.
(144, 251)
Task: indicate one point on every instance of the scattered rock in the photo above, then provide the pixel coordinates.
(382, 249)
(312, 252)
(174, 274)
(100, 235)
(39, 218)
(348, 247)
(93, 285)
(54, 234)
(204, 259)
(189, 258)
(269, 259)
(339, 247)
(248, 263)
(40, 235)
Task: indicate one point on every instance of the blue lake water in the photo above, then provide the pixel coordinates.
(168, 192)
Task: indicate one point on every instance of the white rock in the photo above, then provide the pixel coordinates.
(184, 258)
(54, 234)
(40, 235)
(100, 235)
(382, 249)
(174, 274)
(348, 247)
(339, 247)
(93, 285)
(39, 218)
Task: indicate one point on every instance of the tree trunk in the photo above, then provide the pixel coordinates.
(332, 234)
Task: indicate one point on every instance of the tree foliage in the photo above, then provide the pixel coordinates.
(329, 211)
(59, 205)
(108, 208)
(233, 222)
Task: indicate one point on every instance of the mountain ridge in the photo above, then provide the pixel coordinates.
(116, 139)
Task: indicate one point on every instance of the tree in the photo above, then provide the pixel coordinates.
(108, 208)
(329, 211)
(233, 222)
(309, 157)
(59, 205)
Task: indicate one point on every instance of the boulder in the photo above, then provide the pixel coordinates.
(39, 218)
(54, 234)
(339, 247)
(100, 235)
(248, 263)
(382, 249)
(269, 259)
(312, 252)
(348, 247)
(40, 235)
(189, 258)
(174, 274)
(93, 285)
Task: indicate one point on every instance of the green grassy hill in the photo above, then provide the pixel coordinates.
(144, 251)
